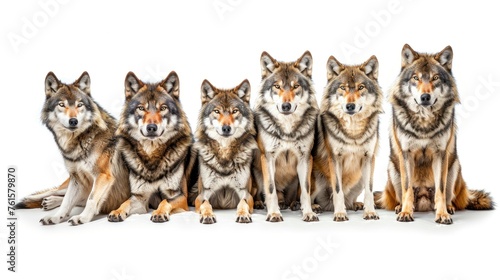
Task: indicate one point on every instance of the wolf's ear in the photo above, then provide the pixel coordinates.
(305, 64)
(207, 91)
(83, 83)
(408, 55)
(370, 67)
(333, 68)
(445, 57)
(267, 64)
(132, 85)
(51, 84)
(171, 84)
(243, 91)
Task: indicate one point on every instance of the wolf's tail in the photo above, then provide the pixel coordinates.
(480, 200)
(36, 200)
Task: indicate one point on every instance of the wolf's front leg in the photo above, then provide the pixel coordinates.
(367, 180)
(136, 204)
(440, 170)
(268, 169)
(304, 169)
(74, 194)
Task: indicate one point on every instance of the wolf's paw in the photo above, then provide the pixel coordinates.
(50, 220)
(295, 206)
(51, 202)
(340, 217)
(405, 217)
(274, 217)
(397, 209)
(159, 217)
(79, 220)
(310, 217)
(282, 205)
(208, 219)
(317, 208)
(450, 209)
(357, 206)
(259, 205)
(243, 218)
(117, 216)
(444, 219)
(370, 216)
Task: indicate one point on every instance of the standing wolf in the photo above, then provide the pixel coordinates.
(225, 144)
(347, 140)
(154, 140)
(83, 131)
(285, 117)
(423, 141)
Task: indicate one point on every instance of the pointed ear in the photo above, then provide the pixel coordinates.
(132, 85)
(51, 84)
(171, 84)
(408, 55)
(267, 64)
(445, 58)
(207, 91)
(83, 83)
(305, 63)
(370, 67)
(333, 68)
(243, 91)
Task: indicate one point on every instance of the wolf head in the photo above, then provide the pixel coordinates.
(352, 90)
(151, 110)
(69, 108)
(286, 86)
(225, 112)
(425, 82)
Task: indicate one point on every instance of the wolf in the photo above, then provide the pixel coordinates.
(225, 145)
(347, 139)
(154, 140)
(84, 134)
(285, 116)
(423, 141)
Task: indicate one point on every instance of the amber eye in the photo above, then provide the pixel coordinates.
(342, 87)
(163, 107)
(140, 107)
(61, 104)
(80, 104)
(216, 111)
(435, 78)
(415, 77)
(361, 87)
(235, 111)
(277, 86)
(296, 86)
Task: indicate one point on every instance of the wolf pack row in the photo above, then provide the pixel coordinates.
(285, 152)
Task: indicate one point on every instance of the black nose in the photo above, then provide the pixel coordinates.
(73, 122)
(151, 128)
(425, 98)
(286, 107)
(226, 129)
(350, 107)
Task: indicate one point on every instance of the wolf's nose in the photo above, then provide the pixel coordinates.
(425, 98)
(152, 128)
(226, 129)
(73, 122)
(350, 107)
(286, 107)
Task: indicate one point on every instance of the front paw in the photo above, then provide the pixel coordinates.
(159, 217)
(274, 217)
(310, 217)
(295, 205)
(259, 205)
(79, 220)
(208, 219)
(243, 218)
(317, 208)
(444, 219)
(340, 217)
(405, 217)
(49, 220)
(370, 216)
(397, 209)
(117, 216)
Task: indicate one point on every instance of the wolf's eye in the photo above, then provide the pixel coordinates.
(342, 87)
(361, 87)
(61, 104)
(435, 78)
(235, 111)
(140, 107)
(296, 86)
(415, 77)
(277, 86)
(163, 107)
(216, 111)
(80, 104)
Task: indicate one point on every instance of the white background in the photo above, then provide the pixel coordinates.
(222, 40)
